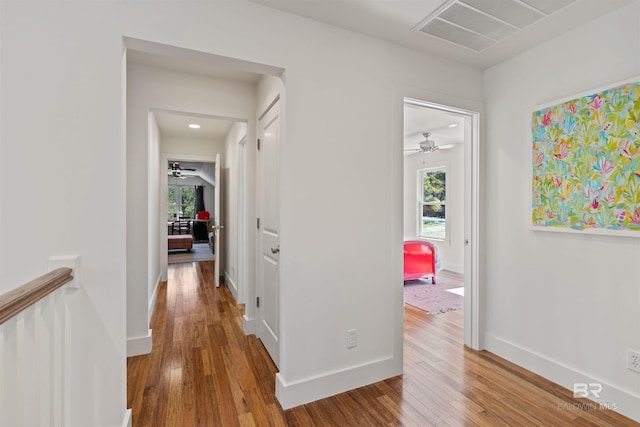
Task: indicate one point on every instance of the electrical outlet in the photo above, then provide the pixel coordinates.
(633, 360)
(352, 338)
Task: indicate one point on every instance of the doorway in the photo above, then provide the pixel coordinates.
(191, 198)
(191, 149)
(440, 146)
(161, 79)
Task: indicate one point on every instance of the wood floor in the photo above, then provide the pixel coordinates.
(203, 371)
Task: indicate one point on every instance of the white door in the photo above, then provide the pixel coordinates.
(268, 291)
(217, 227)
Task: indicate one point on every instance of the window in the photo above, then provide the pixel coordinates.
(188, 201)
(171, 202)
(181, 201)
(432, 203)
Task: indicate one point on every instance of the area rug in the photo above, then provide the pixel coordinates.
(199, 252)
(434, 299)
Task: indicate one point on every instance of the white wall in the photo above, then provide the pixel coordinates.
(60, 111)
(450, 251)
(172, 144)
(565, 306)
(208, 173)
(342, 156)
(156, 168)
(152, 88)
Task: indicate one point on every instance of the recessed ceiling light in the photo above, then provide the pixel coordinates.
(194, 126)
(452, 125)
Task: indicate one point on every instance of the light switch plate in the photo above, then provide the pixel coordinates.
(71, 261)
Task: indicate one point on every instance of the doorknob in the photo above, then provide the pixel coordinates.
(275, 250)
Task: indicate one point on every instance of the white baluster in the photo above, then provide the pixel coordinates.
(10, 383)
(43, 343)
(58, 360)
(26, 361)
(2, 374)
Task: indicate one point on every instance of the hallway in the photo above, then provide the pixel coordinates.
(203, 371)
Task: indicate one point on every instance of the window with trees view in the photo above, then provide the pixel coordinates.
(181, 201)
(432, 204)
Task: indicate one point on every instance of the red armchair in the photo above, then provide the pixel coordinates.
(419, 260)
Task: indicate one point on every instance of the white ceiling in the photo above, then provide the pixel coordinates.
(394, 21)
(384, 19)
(176, 124)
(418, 120)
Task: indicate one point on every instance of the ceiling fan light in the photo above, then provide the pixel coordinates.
(428, 145)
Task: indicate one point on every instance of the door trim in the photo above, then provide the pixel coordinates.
(242, 220)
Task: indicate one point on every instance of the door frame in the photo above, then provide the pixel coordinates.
(473, 233)
(218, 210)
(242, 232)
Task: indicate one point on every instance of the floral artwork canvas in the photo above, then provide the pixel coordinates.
(586, 163)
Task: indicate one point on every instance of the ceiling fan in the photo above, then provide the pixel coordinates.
(176, 170)
(428, 145)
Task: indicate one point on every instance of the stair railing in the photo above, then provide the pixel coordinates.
(33, 352)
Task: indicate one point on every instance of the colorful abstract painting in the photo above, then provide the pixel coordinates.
(586, 163)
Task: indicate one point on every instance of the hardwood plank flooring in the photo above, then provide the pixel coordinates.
(203, 371)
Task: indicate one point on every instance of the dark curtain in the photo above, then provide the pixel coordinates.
(199, 201)
(199, 228)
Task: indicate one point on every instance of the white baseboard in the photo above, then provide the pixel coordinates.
(140, 345)
(456, 268)
(154, 295)
(126, 422)
(231, 285)
(305, 391)
(622, 401)
(248, 325)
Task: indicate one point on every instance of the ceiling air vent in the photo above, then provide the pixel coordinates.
(478, 24)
